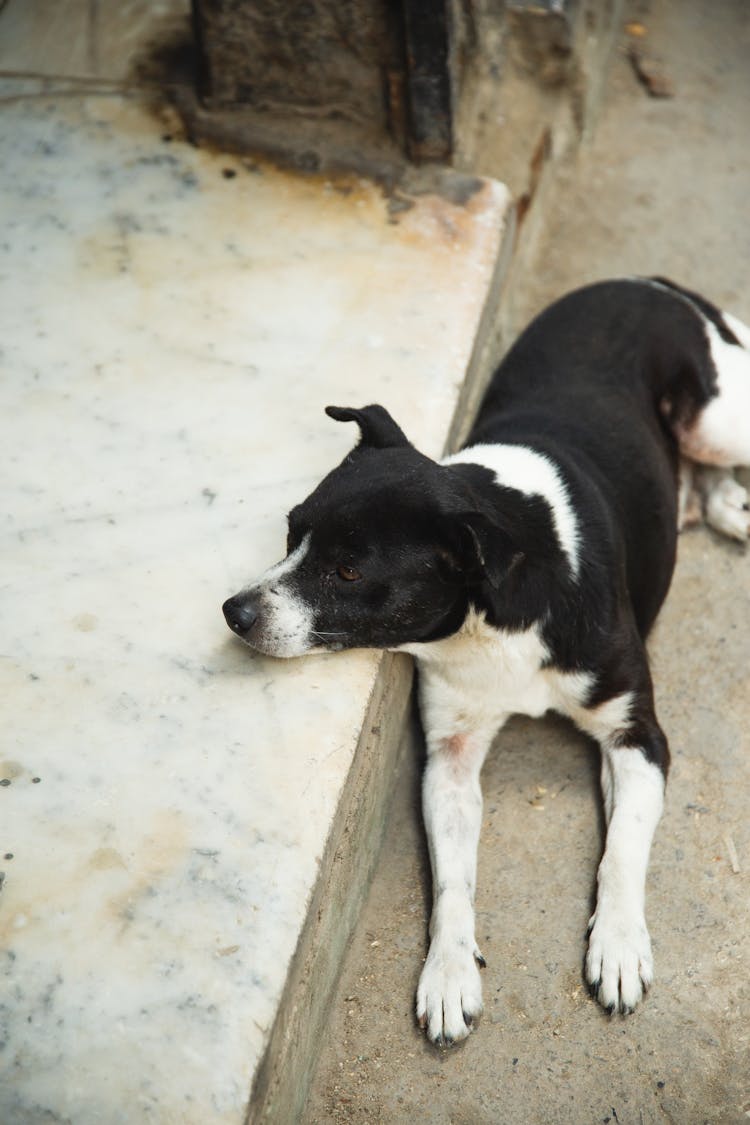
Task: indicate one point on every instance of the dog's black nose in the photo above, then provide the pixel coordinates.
(241, 613)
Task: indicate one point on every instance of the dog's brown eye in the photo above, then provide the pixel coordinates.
(348, 573)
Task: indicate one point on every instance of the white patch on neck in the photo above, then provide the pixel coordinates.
(477, 677)
(533, 474)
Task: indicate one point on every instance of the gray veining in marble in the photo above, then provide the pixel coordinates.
(172, 323)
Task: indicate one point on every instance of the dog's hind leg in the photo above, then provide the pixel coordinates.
(708, 407)
(726, 503)
(713, 427)
(689, 505)
(716, 495)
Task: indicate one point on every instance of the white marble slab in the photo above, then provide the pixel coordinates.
(172, 323)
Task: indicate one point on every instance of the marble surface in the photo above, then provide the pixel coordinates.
(172, 323)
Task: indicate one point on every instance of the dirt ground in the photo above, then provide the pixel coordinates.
(663, 187)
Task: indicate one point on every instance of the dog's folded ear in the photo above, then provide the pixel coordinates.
(377, 428)
(488, 549)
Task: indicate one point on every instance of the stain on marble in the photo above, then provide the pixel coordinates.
(170, 336)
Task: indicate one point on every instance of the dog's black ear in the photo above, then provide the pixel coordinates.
(377, 428)
(488, 549)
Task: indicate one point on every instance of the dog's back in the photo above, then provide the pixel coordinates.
(605, 382)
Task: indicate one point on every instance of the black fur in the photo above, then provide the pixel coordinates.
(709, 311)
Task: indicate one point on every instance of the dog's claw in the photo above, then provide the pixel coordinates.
(480, 959)
(449, 995)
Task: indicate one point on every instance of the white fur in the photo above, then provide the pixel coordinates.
(534, 474)
(721, 434)
(604, 719)
(478, 676)
(601, 723)
(286, 566)
(287, 621)
(725, 501)
(449, 995)
(741, 331)
(619, 964)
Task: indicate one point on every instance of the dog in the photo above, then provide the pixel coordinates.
(523, 573)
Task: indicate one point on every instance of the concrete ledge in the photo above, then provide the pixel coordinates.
(353, 847)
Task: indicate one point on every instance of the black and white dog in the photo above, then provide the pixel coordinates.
(523, 573)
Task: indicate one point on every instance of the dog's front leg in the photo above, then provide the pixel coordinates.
(619, 965)
(449, 996)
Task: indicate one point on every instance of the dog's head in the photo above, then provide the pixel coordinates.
(383, 553)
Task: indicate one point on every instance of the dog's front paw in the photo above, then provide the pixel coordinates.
(619, 965)
(449, 996)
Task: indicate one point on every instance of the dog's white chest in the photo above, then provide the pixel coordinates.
(481, 675)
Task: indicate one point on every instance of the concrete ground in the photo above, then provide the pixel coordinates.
(663, 187)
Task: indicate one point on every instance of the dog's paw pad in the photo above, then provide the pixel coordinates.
(619, 964)
(449, 996)
(727, 509)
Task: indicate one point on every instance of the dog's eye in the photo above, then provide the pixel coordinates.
(348, 573)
